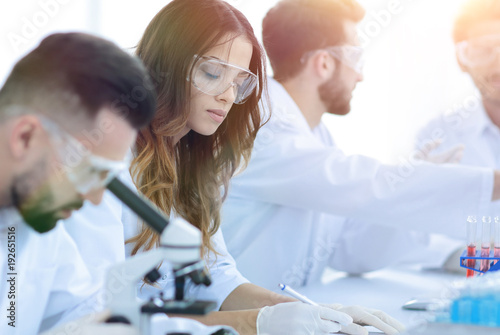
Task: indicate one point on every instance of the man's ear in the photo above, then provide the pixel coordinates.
(25, 134)
(460, 64)
(323, 64)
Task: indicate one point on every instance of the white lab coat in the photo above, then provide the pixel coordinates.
(53, 283)
(225, 276)
(278, 218)
(472, 127)
(98, 234)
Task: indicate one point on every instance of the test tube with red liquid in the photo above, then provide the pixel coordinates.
(496, 242)
(471, 244)
(485, 243)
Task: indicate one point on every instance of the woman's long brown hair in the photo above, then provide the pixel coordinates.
(190, 178)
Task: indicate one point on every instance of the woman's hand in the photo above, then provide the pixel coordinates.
(294, 318)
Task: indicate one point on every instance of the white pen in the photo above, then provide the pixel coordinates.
(296, 295)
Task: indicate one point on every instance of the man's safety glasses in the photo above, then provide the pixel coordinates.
(213, 76)
(479, 51)
(87, 172)
(350, 55)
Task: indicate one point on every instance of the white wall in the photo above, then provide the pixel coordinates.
(24, 23)
(410, 75)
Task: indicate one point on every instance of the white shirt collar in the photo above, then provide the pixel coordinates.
(472, 121)
(480, 121)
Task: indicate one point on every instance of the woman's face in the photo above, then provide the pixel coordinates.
(207, 112)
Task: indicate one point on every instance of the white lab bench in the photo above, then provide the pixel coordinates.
(388, 290)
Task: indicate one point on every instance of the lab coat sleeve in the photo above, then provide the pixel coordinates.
(225, 275)
(294, 170)
(74, 291)
(440, 246)
(98, 233)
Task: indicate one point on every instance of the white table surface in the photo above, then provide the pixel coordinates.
(386, 290)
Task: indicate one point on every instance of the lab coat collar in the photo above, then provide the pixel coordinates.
(284, 107)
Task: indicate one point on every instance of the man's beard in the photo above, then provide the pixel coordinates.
(488, 91)
(31, 194)
(334, 95)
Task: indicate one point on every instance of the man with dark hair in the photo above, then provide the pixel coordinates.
(69, 113)
(476, 123)
(72, 85)
(299, 182)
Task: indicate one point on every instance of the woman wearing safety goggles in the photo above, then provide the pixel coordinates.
(213, 76)
(209, 71)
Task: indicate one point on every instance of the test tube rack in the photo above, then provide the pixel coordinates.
(494, 266)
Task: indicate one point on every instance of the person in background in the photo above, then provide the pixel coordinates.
(476, 124)
(299, 185)
(67, 88)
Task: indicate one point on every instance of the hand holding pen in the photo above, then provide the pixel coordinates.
(297, 318)
(361, 316)
(291, 292)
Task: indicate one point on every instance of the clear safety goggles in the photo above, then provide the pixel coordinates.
(213, 76)
(479, 51)
(87, 172)
(350, 55)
